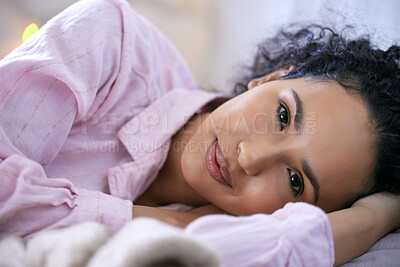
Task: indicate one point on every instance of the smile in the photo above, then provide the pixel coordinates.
(216, 165)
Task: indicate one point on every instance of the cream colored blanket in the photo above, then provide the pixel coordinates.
(141, 242)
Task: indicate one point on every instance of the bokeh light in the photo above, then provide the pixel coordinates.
(29, 31)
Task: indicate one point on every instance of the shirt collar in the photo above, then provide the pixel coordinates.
(156, 124)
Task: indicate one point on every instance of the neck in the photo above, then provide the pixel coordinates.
(170, 185)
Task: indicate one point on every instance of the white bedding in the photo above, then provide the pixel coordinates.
(143, 242)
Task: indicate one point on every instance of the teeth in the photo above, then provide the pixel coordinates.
(219, 156)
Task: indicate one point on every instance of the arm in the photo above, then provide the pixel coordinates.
(278, 239)
(30, 201)
(46, 89)
(77, 67)
(356, 229)
(287, 232)
(76, 70)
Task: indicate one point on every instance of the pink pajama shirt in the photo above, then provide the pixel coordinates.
(88, 107)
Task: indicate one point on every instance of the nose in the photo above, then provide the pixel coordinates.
(254, 157)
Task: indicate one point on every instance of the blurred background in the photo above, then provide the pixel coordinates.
(218, 37)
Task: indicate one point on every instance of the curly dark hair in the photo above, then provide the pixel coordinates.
(320, 53)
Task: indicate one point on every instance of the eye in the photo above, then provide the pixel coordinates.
(283, 116)
(296, 183)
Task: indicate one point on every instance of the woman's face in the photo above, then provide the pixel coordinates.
(282, 141)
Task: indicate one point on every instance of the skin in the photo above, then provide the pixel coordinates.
(336, 140)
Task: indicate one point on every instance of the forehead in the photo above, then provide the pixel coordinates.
(340, 140)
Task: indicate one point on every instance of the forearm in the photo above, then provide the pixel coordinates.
(354, 232)
(356, 229)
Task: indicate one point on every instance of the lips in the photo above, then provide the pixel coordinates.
(216, 164)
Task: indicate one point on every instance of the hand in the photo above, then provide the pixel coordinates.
(176, 218)
(207, 210)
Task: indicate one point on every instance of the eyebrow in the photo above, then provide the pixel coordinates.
(298, 122)
(298, 118)
(312, 178)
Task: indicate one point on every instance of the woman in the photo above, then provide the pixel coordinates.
(93, 109)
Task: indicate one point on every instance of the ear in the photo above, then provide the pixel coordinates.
(276, 75)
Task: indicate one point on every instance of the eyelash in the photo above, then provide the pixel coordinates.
(279, 109)
(299, 191)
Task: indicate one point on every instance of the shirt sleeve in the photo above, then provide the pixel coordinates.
(77, 65)
(31, 202)
(297, 235)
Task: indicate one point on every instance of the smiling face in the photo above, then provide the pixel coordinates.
(283, 141)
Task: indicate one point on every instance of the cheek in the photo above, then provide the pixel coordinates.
(188, 171)
(238, 104)
(192, 162)
(259, 196)
(246, 116)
